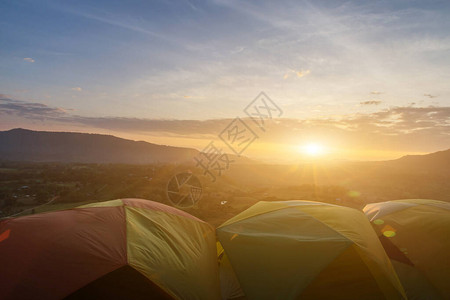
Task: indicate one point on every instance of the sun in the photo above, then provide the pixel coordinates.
(312, 149)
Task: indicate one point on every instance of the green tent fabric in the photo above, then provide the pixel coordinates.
(305, 250)
(229, 284)
(416, 236)
(119, 249)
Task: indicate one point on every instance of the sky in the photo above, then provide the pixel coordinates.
(362, 79)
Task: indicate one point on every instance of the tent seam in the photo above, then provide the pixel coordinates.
(259, 214)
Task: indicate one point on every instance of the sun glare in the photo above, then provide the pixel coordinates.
(312, 149)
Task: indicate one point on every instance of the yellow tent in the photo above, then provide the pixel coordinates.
(416, 236)
(303, 249)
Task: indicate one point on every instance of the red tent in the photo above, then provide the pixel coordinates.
(120, 249)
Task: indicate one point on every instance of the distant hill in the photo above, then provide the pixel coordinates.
(436, 161)
(27, 145)
(412, 176)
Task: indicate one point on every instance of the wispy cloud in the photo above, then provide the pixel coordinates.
(192, 5)
(237, 50)
(31, 110)
(401, 124)
(138, 26)
(256, 12)
(429, 96)
(302, 73)
(299, 74)
(371, 102)
(29, 59)
(77, 89)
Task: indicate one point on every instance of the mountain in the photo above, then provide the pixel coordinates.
(437, 161)
(412, 176)
(27, 145)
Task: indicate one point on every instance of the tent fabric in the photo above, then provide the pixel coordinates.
(55, 254)
(378, 210)
(307, 250)
(419, 229)
(229, 284)
(122, 283)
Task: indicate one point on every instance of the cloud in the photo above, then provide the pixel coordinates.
(429, 96)
(78, 89)
(30, 110)
(397, 119)
(131, 24)
(39, 111)
(371, 102)
(402, 127)
(237, 50)
(298, 73)
(402, 120)
(302, 73)
(192, 5)
(376, 93)
(29, 59)
(397, 128)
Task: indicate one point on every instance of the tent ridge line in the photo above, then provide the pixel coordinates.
(261, 213)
